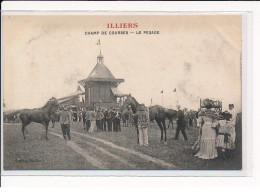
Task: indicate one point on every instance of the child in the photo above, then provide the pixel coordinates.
(225, 140)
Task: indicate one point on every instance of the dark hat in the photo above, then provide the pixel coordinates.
(221, 116)
(208, 103)
(231, 105)
(142, 105)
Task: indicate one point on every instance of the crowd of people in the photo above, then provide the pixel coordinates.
(216, 129)
(216, 133)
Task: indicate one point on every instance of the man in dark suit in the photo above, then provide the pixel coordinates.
(181, 125)
(104, 120)
(114, 126)
(109, 120)
(117, 120)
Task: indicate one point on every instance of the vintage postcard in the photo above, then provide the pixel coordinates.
(105, 92)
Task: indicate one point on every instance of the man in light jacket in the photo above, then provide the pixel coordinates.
(66, 121)
(92, 118)
(143, 121)
(100, 116)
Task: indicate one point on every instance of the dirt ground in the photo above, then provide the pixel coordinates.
(106, 150)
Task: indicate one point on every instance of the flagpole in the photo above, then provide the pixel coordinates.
(177, 97)
(100, 45)
(162, 99)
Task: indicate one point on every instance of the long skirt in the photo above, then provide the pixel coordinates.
(207, 148)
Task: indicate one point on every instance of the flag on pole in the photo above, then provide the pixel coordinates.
(174, 90)
(162, 92)
(98, 42)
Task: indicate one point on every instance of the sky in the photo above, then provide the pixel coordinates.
(199, 55)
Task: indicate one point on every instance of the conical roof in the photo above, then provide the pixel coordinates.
(100, 72)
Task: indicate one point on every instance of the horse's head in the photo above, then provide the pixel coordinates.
(131, 102)
(53, 102)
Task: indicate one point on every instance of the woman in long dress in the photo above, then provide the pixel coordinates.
(207, 144)
(226, 135)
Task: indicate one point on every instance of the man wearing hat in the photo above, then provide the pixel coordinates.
(100, 116)
(181, 125)
(104, 120)
(232, 127)
(143, 121)
(92, 118)
(109, 119)
(114, 124)
(131, 119)
(87, 118)
(66, 121)
(117, 118)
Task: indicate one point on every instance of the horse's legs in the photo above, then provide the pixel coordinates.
(84, 125)
(46, 126)
(23, 127)
(161, 128)
(170, 122)
(164, 128)
(137, 131)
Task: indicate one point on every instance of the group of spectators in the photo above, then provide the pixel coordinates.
(102, 119)
(216, 133)
(216, 130)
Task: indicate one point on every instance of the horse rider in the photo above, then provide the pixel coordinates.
(66, 121)
(181, 125)
(143, 122)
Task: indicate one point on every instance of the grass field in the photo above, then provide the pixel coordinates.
(106, 150)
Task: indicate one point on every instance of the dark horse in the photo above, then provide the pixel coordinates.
(171, 115)
(39, 115)
(125, 116)
(156, 112)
